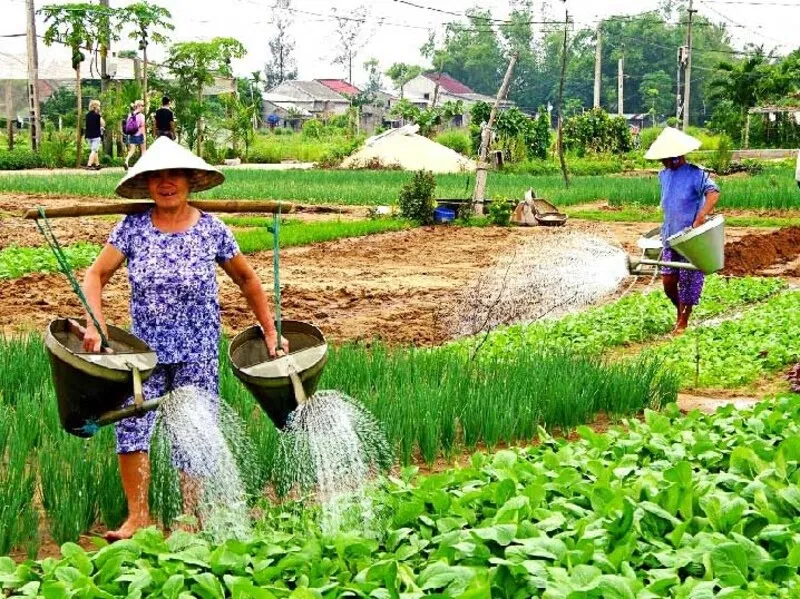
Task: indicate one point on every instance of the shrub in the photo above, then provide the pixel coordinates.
(19, 159)
(455, 139)
(500, 212)
(721, 158)
(313, 129)
(211, 152)
(416, 198)
(595, 131)
(540, 136)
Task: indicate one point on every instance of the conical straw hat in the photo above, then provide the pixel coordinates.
(671, 144)
(165, 154)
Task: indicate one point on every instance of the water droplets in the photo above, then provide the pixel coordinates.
(544, 277)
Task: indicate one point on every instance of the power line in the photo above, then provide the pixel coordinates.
(749, 28)
(745, 3)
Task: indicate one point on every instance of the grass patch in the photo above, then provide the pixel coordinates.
(294, 233)
(774, 189)
(18, 261)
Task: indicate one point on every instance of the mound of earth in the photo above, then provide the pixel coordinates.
(753, 253)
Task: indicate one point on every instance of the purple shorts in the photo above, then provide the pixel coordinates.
(133, 434)
(690, 282)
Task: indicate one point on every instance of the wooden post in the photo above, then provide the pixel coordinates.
(747, 132)
(10, 118)
(479, 194)
(598, 64)
(621, 85)
(687, 85)
(79, 123)
(105, 80)
(561, 157)
(33, 77)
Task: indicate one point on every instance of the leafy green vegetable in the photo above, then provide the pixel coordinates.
(674, 506)
(18, 261)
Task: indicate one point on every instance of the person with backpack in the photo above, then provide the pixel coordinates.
(134, 131)
(164, 121)
(93, 131)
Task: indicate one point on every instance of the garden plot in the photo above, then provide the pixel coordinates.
(397, 286)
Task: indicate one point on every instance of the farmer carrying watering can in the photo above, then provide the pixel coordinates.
(688, 197)
(171, 250)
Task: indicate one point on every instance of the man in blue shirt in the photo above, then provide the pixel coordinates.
(688, 197)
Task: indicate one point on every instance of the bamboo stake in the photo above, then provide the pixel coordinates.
(233, 206)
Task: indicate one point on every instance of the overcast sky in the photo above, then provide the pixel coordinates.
(404, 28)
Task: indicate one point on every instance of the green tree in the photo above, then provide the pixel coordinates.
(149, 22)
(194, 66)
(372, 66)
(471, 53)
(656, 92)
(401, 73)
(79, 26)
(352, 32)
(281, 66)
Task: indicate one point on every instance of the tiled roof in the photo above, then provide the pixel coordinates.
(340, 86)
(449, 84)
(308, 90)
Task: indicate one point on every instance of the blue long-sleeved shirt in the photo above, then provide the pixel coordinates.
(683, 194)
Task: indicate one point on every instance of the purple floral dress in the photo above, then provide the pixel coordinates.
(174, 307)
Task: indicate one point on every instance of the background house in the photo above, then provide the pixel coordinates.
(422, 88)
(293, 102)
(318, 100)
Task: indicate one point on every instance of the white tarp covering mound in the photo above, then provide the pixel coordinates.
(403, 147)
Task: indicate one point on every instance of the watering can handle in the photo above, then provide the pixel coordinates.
(138, 396)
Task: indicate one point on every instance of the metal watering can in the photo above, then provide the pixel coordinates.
(281, 384)
(91, 388)
(703, 247)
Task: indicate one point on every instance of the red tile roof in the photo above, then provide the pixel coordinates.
(340, 86)
(449, 84)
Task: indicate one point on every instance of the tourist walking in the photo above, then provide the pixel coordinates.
(135, 131)
(171, 250)
(164, 120)
(93, 131)
(688, 197)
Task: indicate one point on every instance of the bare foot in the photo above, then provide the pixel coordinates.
(127, 530)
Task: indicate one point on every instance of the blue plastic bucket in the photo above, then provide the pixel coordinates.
(444, 215)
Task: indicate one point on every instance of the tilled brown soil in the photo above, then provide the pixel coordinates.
(754, 253)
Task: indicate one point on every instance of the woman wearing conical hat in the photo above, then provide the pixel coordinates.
(171, 250)
(688, 197)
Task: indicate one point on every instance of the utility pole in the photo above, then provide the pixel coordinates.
(561, 158)
(108, 142)
(687, 84)
(621, 83)
(598, 64)
(33, 76)
(678, 92)
(10, 116)
(481, 174)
